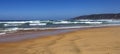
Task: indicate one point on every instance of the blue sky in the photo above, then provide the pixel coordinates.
(54, 9)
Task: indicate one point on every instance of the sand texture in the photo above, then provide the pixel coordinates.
(89, 41)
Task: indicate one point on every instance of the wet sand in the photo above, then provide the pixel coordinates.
(89, 41)
(31, 34)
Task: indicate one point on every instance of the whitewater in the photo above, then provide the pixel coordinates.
(13, 26)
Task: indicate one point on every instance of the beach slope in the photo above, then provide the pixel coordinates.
(89, 41)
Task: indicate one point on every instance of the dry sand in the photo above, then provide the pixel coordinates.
(89, 41)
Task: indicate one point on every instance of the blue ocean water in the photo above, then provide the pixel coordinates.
(14, 25)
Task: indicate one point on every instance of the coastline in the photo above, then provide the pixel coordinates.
(102, 40)
(22, 35)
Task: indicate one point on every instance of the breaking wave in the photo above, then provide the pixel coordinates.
(6, 26)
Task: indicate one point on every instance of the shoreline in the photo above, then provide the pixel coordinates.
(54, 28)
(27, 33)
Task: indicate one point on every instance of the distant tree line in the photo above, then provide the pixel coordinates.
(99, 16)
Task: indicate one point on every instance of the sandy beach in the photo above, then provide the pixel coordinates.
(88, 41)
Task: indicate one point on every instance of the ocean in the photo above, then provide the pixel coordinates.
(7, 26)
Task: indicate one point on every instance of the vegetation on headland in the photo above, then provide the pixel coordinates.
(99, 16)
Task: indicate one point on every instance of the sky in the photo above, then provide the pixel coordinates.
(54, 9)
